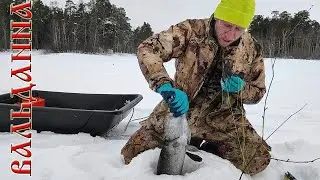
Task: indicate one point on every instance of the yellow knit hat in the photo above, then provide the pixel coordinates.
(239, 12)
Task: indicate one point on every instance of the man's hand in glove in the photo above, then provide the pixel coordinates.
(176, 99)
(233, 83)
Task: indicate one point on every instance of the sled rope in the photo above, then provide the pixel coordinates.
(125, 129)
(84, 125)
(131, 120)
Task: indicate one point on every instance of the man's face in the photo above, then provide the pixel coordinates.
(227, 33)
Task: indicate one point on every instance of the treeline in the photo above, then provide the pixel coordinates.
(288, 36)
(96, 26)
(99, 26)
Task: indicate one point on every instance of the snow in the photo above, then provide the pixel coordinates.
(81, 157)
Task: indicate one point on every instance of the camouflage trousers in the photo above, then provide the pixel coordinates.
(228, 130)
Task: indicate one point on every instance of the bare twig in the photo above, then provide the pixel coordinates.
(286, 121)
(296, 161)
(268, 138)
(265, 108)
(265, 102)
(273, 63)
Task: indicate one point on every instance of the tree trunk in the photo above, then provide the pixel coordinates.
(5, 34)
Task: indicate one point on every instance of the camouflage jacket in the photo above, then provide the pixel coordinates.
(196, 51)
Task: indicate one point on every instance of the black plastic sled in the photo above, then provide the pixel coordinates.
(70, 113)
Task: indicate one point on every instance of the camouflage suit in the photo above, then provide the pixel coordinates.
(213, 116)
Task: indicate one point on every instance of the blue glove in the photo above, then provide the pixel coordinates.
(176, 99)
(232, 84)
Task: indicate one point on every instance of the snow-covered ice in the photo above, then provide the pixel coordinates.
(82, 157)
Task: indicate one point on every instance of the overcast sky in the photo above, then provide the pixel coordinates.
(163, 13)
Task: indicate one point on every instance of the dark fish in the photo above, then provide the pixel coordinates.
(176, 137)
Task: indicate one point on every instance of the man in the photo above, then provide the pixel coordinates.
(219, 67)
